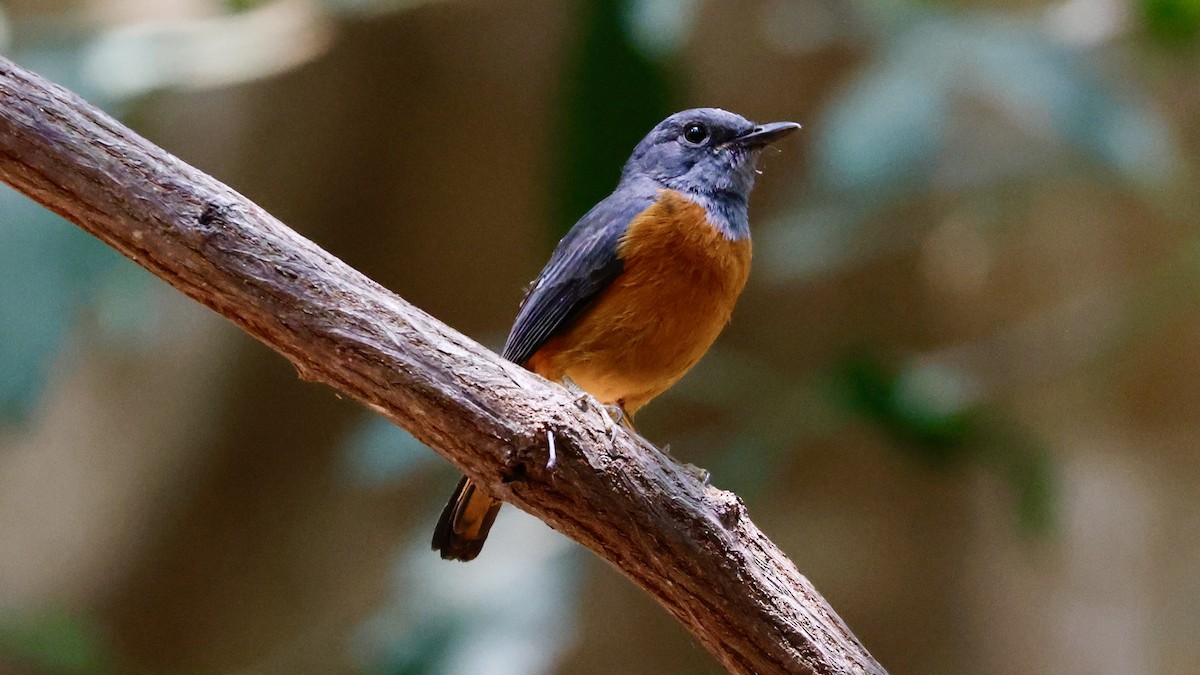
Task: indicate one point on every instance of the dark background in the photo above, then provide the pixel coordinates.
(960, 391)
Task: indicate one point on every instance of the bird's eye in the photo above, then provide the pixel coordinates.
(695, 133)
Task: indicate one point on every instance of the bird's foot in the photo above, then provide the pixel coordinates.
(615, 413)
(583, 400)
(610, 429)
(610, 414)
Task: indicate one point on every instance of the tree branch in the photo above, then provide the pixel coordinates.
(690, 546)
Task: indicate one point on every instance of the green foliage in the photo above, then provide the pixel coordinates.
(416, 652)
(515, 613)
(49, 270)
(930, 431)
(615, 93)
(243, 5)
(1173, 23)
(891, 127)
(57, 643)
(925, 412)
(1030, 474)
(974, 103)
(378, 452)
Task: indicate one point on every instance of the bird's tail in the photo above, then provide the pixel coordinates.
(465, 522)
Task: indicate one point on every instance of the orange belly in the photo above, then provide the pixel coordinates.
(680, 282)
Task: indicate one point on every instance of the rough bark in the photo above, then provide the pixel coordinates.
(693, 547)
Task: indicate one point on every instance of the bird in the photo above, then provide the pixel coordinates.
(640, 287)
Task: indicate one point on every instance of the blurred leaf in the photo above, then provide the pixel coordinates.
(1051, 90)
(251, 39)
(55, 50)
(374, 7)
(927, 428)
(34, 300)
(615, 94)
(56, 643)
(243, 5)
(966, 102)
(378, 452)
(123, 301)
(890, 128)
(1029, 472)
(928, 412)
(262, 39)
(883, 134)
(1172, 23)
(513, 615)
(48, 270)
(1033, 479)
(417, 651)
(659, 27)
(831, 237)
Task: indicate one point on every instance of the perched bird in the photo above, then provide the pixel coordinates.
(640, 287)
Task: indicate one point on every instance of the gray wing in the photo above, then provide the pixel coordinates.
(584, 263)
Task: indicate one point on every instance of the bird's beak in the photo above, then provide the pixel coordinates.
(766, 133)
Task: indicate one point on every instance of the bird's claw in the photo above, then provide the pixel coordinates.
(615, 415)
(582, 402)
(611, 414)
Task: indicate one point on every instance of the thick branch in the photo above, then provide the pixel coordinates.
(692, 547)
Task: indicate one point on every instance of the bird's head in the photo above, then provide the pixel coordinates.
(704, 151)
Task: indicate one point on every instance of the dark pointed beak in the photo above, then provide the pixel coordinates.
(766, 133)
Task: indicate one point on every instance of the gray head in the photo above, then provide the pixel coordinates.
(706, 152)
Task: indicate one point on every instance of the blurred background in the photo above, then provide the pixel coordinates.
(962, 390)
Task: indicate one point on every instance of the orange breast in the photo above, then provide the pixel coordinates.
(680, 282)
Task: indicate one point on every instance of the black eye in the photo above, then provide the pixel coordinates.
(695, 133)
